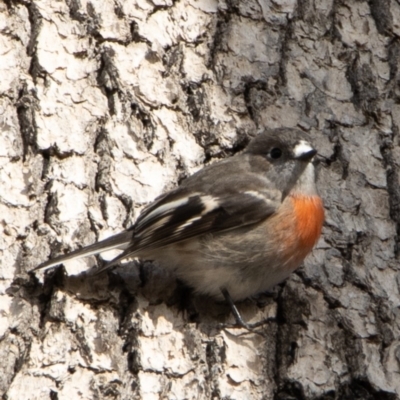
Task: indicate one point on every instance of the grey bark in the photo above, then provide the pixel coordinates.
(106, 104)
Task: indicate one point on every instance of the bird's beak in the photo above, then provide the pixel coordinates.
(304, 152)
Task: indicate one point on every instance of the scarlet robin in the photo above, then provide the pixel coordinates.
(236, 227)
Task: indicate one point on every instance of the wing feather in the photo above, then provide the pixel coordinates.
(201, 205)
(194, 216)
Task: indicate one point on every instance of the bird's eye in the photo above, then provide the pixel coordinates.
(275, 153)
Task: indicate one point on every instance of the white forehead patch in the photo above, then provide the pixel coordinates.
(302, 148)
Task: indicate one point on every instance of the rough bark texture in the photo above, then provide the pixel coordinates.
(105, 104)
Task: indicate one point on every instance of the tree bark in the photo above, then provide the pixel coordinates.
(106, 104)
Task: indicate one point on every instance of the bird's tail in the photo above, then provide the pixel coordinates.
(119, 241)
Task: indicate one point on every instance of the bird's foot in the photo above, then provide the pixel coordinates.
(240, 323)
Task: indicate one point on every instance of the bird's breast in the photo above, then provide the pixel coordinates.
(309, 217)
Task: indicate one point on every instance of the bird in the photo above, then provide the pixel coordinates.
(235, 228)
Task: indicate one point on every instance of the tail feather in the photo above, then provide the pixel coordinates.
(128, 252)
(119, 241)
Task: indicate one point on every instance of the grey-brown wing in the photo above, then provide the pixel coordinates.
(183, 214)
(187, 212)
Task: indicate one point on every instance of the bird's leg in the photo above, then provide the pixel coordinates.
(238, 317)
(234, 310)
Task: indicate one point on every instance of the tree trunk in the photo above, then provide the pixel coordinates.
(106, 104)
